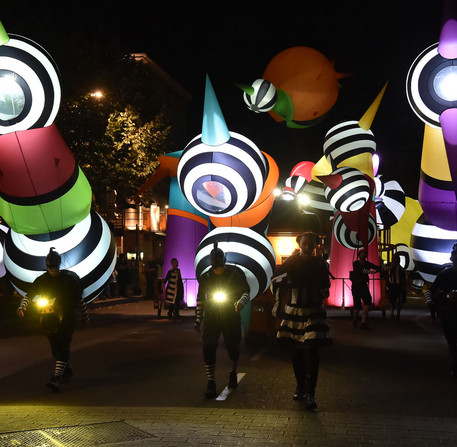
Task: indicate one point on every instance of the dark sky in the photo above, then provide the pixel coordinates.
(233, 42)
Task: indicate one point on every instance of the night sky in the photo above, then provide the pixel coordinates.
(374, 41)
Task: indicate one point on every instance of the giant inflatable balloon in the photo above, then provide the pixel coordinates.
(186, 226)
(45, 197)
(221, 173)
(298, 87)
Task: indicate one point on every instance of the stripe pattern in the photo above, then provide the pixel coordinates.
(406, 260)
(390, 203)
(353, 192)
(430, 247)
(346, 140)
(3, 233)
(423, 104)
(243, 247)
(264, 97)
(36, 77)
(315, 191)
(349, 238)
(222, 180)
(87, 248)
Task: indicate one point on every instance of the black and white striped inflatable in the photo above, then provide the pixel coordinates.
(29, 86)
(346, 140)
(390, 202)
(292, 186)
(315, 191)
(243, 247)
(431, 247)
(428, 107)
(406, 261)
(87, 248)
(222, 180)
(349, 238)
(353, 192)
(3, 232)
(263, 98)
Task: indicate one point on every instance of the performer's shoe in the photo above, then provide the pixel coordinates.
(299, 394)
(54, 383)
(310, 403)
(233, 380)
(211, 392)
(67, 374)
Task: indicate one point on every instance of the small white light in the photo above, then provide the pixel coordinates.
(445, 83)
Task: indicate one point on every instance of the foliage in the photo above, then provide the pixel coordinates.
(116, 148)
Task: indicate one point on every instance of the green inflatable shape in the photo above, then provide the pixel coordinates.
(64, 212)
(284, 106)
(4, 38)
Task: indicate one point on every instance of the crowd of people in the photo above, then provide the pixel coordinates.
(300, 286)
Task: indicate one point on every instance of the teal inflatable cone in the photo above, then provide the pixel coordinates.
(214, 129)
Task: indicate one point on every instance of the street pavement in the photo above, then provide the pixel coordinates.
(139, 382)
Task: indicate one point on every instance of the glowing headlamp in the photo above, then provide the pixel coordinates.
(42, 302)
(219, 297)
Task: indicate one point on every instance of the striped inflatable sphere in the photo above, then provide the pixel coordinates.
(353, 192)
(263, 98)
(390, 203)
(315, 192)
(346, 140)
(349, 238)
(295, 183)
(222, 180)
(431, 247)
(88, 249)
(29, 86)
(406, 261)
(243, 247)
(3, 232)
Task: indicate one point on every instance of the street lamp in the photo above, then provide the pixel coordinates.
(97, 94)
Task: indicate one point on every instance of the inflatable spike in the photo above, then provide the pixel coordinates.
(4, 38)
(367, 119)
(214, 129)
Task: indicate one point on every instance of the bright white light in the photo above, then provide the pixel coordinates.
(445, 83)
(303, 199)
(12, 98)
(42, 302)
(277, 192)
(286, 195)
(220, 297)
(98, 94)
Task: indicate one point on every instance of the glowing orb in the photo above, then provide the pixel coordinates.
(30, 91)
(346, 140)
(243, 247)
(263, 98)
(353, 191)
(349, 238)
(88, 249)
(222, 180)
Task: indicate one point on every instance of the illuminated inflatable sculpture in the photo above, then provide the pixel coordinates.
(186, 226)
(351, 144)
(226, 176)
(299, 86)
(431, 88)
(45, 198)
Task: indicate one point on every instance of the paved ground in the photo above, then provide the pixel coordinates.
(334, 424)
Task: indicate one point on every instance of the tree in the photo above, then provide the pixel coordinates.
(114, 146)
